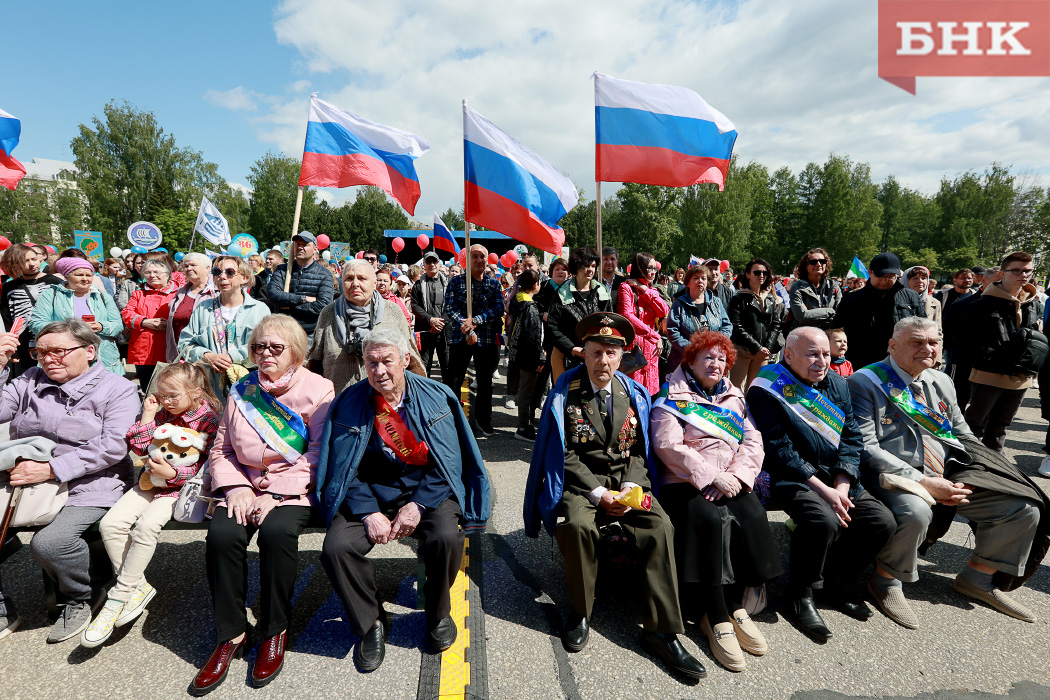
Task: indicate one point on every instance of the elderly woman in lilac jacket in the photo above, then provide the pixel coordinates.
(86, 410)
(711, 454)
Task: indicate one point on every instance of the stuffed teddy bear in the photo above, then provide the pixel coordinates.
(175, 446)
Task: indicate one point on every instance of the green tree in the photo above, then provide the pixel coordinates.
(128, 169)
(27, 212)
(716, 224)
(274, 180)
(371, 214)
(646, 220)
(176, 227)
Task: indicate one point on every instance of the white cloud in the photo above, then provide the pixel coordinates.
(237, 99)
(798, 79)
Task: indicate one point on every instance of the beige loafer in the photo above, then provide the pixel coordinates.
(748, 635)
(894, 605)
(994, 598)
(724, 645)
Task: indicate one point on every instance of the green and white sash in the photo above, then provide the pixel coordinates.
(900, 395)
(281, 428)
(715, 421)
(807, 403)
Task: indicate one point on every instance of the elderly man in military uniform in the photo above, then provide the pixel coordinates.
(592, 450)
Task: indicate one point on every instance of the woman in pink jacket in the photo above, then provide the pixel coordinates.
(640, 303)
(264, 461)
(711, 454)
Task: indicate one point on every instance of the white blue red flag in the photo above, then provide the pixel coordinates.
(344, 149)
(512, 190)
(443, 238)
(11, 171)
(658, 135)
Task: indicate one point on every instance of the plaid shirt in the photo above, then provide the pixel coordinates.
(487, 303)
(202, 419)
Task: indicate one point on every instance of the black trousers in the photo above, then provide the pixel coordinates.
(816, 554)
(486, 359)
(344, 557)
(960, 374)
(434, 344)
(226, 555)
(991, 411)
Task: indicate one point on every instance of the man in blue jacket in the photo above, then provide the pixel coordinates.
(813, 458)
(593, 448)
(397, 460)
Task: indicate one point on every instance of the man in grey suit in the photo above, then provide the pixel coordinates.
(911, 425)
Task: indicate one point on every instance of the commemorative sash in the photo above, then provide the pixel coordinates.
(281, 428)
(715, 421)
(900, 395)
(807, 403)
(396, 435)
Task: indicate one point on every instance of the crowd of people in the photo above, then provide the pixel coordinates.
(678, 409)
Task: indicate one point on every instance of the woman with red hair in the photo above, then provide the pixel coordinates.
(711, 454)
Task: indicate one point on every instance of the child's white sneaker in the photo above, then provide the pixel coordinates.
(101, 627)
(136, 604)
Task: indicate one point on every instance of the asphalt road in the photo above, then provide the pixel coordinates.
(960, 650)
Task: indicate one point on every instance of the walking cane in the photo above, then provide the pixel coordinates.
(9, 514)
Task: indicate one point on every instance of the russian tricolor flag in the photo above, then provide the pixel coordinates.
(343, 149)
(443, 238)
(658, 135)
(512, 190)
(11, 171)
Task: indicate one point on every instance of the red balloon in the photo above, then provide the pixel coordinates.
(493, 258)
(723, 266)
(628, 268)
(505, 261)
(50, 249)
(423, 241)
(512, 256)
(323, 241)
(398, 244)
(658, 265)
(4, 243)
(360, 254)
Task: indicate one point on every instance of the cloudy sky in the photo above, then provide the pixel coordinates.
(233, 79)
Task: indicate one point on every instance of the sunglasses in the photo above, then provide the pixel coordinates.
(760, 273)
(274, 349)
(815, 262)
(370, 259)
(229, 272)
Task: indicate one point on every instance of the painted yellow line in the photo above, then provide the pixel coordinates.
(455, 669)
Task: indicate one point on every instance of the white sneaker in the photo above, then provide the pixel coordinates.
(1044, 468)
(136, 604)
(101, 627)
(511, 403)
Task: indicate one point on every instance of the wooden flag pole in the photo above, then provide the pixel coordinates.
(298, 208)
(598, 208)
(469, 271)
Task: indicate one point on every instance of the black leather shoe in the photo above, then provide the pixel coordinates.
(805, 613)
(851, 607)
(372, 647)
(443, 635)
(667, 648)
(574, 636)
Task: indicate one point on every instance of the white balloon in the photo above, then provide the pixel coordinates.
(327, 255)
(126, 252)
(115, 252)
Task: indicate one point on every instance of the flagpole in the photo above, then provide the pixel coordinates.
(598, 208)
(193, 237)
(466, 223)
(298, 208)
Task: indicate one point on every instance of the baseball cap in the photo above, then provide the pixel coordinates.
(305, 236)
(431, 255)
(885, 264)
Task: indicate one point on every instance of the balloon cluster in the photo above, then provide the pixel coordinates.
(508, 259)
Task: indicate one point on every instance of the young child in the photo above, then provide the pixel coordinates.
(526, 350)
(184, 398)
(839, 344)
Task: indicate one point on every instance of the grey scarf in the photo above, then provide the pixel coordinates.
(359, 319)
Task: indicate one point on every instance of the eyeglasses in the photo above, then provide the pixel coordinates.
(814, 262)
(760, 273)
(652, 268)
(170, 398)
(55, 354)
(274, 349)
(229, 272)
(1027, 272)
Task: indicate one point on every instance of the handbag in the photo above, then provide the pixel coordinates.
(194, 504)
(38, 504)
(633, 360)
